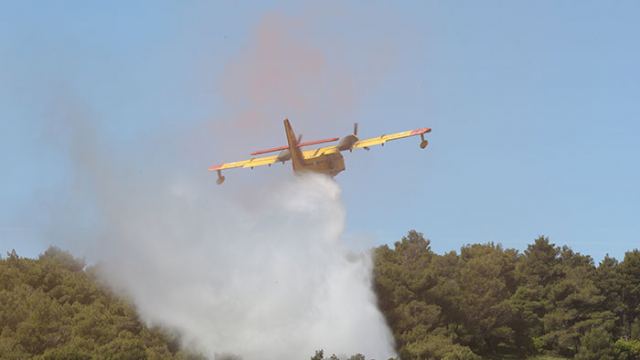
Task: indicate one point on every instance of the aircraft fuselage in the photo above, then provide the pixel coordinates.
(330, 164)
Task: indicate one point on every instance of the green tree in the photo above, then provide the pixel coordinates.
(630, 269)
(577, 304)
(402, 278)
(125, 347)
(54, 307)
(486, 277)
(627, 349)
(596, 344)
(610, 282)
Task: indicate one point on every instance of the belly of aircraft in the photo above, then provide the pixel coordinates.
(330, 164)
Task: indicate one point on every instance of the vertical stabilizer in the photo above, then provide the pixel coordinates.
(297, 160)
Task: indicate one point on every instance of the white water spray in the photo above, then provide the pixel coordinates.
(271, 282)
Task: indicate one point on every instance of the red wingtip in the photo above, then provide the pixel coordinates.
(215, 167)
(420, 131)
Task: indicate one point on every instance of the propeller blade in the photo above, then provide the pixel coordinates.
(355, 129)
(299, 138)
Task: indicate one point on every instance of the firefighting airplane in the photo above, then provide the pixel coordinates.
(326, 160)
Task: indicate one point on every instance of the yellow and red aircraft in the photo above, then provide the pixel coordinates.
(326, 160)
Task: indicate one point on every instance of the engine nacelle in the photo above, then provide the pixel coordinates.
(347, 142)
(284, 155)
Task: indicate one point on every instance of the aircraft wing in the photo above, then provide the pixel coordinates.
(251, 163)
(310, 154)
(382, 139)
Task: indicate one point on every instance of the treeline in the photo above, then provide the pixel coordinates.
(494, 303)
(54, 308)
(484, 302)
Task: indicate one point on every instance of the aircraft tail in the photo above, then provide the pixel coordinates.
(296, 154)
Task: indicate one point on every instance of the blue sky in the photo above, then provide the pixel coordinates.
(533, 105)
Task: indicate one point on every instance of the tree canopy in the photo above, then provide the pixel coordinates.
(483, 302)
(54, 307)
(491, 302)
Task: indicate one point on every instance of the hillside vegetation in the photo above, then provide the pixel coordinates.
(484, 302)
(54, 308)
(490, 302)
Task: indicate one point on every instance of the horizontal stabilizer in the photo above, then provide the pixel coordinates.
(306, 143)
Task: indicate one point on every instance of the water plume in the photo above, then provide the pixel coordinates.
(263, 274)
(273, 283)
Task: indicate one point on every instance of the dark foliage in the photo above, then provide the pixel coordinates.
(490, 302)
(53, 307)
(485, 302)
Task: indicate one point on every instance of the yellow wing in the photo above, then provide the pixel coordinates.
(251, 163)
(380, 140)
(310, 154)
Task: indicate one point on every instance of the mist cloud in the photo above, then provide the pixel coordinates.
(270, 281)
(274, 283)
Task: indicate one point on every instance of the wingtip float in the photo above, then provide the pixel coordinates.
(325, 160)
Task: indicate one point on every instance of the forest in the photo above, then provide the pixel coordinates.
(55, 307)
(481, 302)
(494, 303)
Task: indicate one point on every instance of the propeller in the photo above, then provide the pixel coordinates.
(347, 142)
(299, 139)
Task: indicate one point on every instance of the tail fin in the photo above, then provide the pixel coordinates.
(296, 155)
